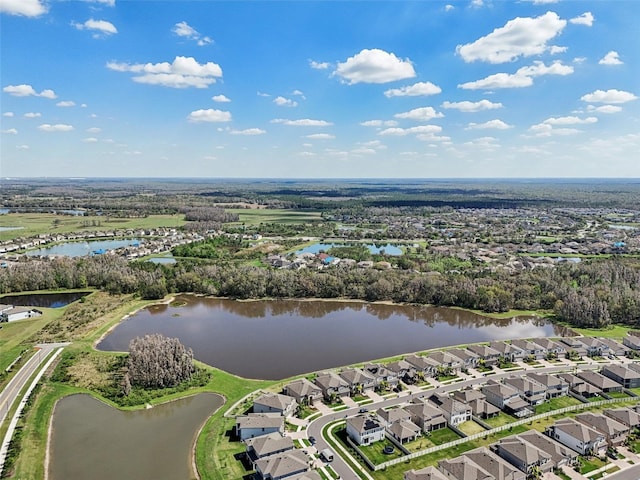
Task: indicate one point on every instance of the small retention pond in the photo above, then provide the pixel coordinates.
(316, 248)
(93, 440)
(47, 300)
(277, 339)
(81, 249)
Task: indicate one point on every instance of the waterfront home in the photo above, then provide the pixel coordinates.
(332, 385)
(626, 416)
(555, 386)
(275, 403)
(523, 455)
(446, 361)
(551, 347)
(266, 445)
(454, 411)
(631, 341)
(530, 349)
(559, 454)
(426, 416)
(404, 431)
(359, 381)
(284, 465)
(575, 345)
(424, 365)
(257, 424)
(364, 430)
(463, 468)
(616, 348)
(493, 464)
(595, 348)
(577, 436)
(383, 377)
(615, 433)
(508, 352)
(531, 391)
(487, 354)
(506, 398)
(303, 391)
(427, 473)
(599, 381)
(624, 376)
(467, 357)
(403, 370)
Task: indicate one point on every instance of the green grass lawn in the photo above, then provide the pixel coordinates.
(501, 419)
(257, 216)
(443, 435)
(375, 453)
(556, 404)
(590, 464)
(617, 394)
(470, 427)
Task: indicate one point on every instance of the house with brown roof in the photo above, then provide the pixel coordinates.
(509, 352)
(555, 386)
(275, 403)
(265, 445)
(283, 465)
(600, 381)
(523, 455)
(382, 375)
(489, 355)
(626, 416)
(403, 369)
(531, 391)
(427, 473)
(428, 417)
(404, 431)
(387, 417)
(427, 366)
(616, 348)
(303, 391)
(631, 341)
(530, 349)
(478, 403)
(506, 398)
(466, 356)
(332, 385)
(454, 411)
(359, 381)
(463, 468)
(446, 360)
(555, 348)
(560, 455)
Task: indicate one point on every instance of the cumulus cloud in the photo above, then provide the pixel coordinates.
(320, 136)
(220, 99)
(7, 114)
(28, 91)
(608, 96)
(611, 58)
(604, 109)
(26, 8)
(66, 103)
(58, 127)
(522, 78)
(555, 49)
(379, 123)
(285, 102)
(467, 106)
(571, 120)
(449, 7)
(248, 131)
(422, 114)
(303, 122)
(494, 124)
(547, 130)
(94, 130)
(520, 37)
(415, 90)
(585, 19)
(22, 147)
(10, 131)
(374, 66)
(90, 140)
(32, 115)
(319, 65)
(108, 3)
(209, 115)
(183, 72)
(183, 29)
(401, 132)
(101, 26)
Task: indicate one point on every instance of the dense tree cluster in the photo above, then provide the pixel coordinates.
(156, 361)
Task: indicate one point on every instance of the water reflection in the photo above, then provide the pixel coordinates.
(278, 339)
(48, 300)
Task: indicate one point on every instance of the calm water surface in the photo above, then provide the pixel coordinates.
(49, 300)
(277, 339)
(316, 248)
(91, 440)
(80, 249)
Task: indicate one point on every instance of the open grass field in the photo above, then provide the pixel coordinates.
(46, 223)
(470, 427)
(255, 217)
(501, 419)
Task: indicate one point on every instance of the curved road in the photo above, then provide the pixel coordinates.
(346, 472)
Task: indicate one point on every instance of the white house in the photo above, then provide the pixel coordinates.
(364, 430)
(257, 424)
(577, 437)
(275, 403)
(19, 313)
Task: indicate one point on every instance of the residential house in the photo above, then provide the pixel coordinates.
(506, 398)
(467, 357)
(595, 348)
(493, 464)
(310, 475)
(423, 365)
(555, 348)
(275, 403)
(626, 416)
(487, 354)
(364, 430)
(463, 468)
(523, 455)
(332, 385)
(265, 445)
(579, 386)
(600, 381)
(404, 431)
(531, 391)
(454, 411)
(575, 345)
(257, 424)
(383, 377)
(447, 361)
(283, 465)
(359, 381)
(303, 391)
(387, 417)
(403, 370)
(555, 386)
(577, 436)
(624, 376)
(426, 416)
(478, 403)
(615, 433)
(427, 473)
(631, 341)
(530, 348)
(509, 352)
(19, 313)
(615, 348)
(560, 455)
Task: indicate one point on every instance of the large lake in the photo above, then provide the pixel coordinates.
(49, 300)
(81, 249)
(278, 339)
(90, 439)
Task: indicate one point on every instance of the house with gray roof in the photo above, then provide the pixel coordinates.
(478, 403)
(426, 416)
(577, 436)
(364, 430)
(509, 352)
(494, 465)
(489, 355)
(556, 348)
(283, 465)
(332, 385)
(257, 424)
(554, 385)
(615, 347)
(275, 403)
(531, 391)
(463, 468)
(387, 417)
(595, 347)
(631, 341)
(523, 455)
(506, 398)
(600, 381)
(303, 391)
(265, 445)
(359, 381)
(626, 416)
(383, 377)
(466, 356)
(403, 369)
(446, 360)
(530, 348)
(454, 411)
(310, 475)
(574, 344)
(404, 431)
(427, 366)
(626, 377)
(559, 454)
(427, 473)
(615, 433)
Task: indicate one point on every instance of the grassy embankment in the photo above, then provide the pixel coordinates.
(256, 217)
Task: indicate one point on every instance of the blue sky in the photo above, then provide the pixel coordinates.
(422, 89)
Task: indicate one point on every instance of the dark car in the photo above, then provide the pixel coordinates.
(312, 440)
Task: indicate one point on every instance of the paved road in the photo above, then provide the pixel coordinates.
(632, 473)
(346, 473)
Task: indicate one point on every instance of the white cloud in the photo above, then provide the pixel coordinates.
(422, 114)
(522, 77)
(422, 129)
(26, 8)
(544, 2)
(547, 130)
(604, 109)
(220, 99)
(379, 123)
(298, 93)
(611, 58)
(248, 131)
(585, 19)
(320, 136)
(94, 130)
(32, 115)
(28, 91)
(90, 140)
(10, 131)
(609, 96)
(183, 72)
(108, 3)
(285, 102)
(449, 7)
(209, 115)
(101, 26)
(363, 151)
(319, 65)
(58, 127)
(304, 122)
(183, 29)
(466, 106)
(570, 120)
(66, 103)
(555, 49)
(262, 94)
(7, 114)
(477, 3)
(496, 124)
(519, 37)
(415, 90)
(22, 147)
(579, 60)
(374, 66)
